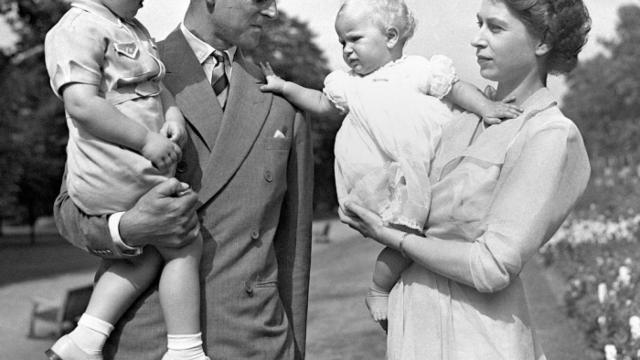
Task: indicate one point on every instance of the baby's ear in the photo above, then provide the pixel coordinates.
(393, 37)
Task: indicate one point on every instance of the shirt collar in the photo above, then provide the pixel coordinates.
(540, 100)
(201, 49)
(96, 8)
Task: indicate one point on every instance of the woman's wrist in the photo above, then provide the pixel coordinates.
(402, 243)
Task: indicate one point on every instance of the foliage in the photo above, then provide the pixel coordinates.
(604, 93)
(32, 120)
(598, 257)
(288, 46)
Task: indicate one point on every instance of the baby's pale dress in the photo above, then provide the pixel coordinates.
(386, 143)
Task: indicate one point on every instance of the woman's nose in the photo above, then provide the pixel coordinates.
(479, 41)
(271, 11)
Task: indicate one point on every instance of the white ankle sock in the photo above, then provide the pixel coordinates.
(184, 347)
(91, 334)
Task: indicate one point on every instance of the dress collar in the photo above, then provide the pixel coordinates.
(201, 49)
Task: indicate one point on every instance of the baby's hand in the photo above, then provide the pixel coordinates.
(496, 111)
(175, 132)
(161, 151)
(274, 83)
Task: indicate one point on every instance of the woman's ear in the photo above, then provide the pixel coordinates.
(543, 48)
(393, 37)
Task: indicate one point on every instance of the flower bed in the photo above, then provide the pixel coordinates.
(600, 258)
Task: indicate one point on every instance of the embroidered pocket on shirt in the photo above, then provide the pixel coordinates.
(129, 49)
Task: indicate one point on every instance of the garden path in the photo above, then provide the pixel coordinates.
(339, 326)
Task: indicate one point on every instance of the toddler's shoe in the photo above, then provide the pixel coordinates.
(66, 349)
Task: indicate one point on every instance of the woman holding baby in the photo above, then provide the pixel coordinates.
(498, 192)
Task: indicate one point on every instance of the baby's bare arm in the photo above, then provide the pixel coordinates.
(472, 99)
(308, 100)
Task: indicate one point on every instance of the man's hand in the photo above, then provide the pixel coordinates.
(165, 217)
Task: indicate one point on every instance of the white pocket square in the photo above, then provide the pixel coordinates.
(279, 135)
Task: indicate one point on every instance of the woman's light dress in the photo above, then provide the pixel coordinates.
(386, 143)
(506, 194)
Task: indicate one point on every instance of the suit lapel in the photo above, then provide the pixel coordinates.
(246, 111)
(193, 93)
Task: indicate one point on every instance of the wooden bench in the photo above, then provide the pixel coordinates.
(64, 316)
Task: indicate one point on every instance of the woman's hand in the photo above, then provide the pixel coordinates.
(368, 223)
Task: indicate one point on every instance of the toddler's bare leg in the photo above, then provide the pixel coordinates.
(180, 300)
(114, 292)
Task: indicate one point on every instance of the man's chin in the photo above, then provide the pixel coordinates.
(249, 42)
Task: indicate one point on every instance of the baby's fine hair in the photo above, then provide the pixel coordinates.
(388, 13)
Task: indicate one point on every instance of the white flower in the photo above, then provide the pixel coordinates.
(610, 352)
(602, 320)
(602, 293)
(634, 327)
(624, 275)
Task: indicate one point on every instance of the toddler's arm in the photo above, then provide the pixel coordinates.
(174, 128)
(100, 118)
(472, 99)
(309, 100)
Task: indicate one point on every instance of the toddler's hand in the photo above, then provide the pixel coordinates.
(496, 111)
(274, 82)
(175, 132)
(162, 152)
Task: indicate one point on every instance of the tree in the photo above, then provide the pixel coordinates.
(288, 46)
(604, 101)
(604, 92)
(32, 120)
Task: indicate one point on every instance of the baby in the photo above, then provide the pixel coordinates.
(125, 137)
(394, 116)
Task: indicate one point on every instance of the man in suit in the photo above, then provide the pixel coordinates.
(249, 161)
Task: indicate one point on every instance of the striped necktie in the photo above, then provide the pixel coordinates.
(219, 80)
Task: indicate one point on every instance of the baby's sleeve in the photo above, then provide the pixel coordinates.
(335, 89)
(74, 54)
(440, 76)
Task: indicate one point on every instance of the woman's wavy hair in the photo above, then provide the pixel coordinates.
(562, 24)
(388, 13)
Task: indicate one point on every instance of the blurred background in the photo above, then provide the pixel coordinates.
(592, 264)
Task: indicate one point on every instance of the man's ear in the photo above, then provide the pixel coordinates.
(393, 37)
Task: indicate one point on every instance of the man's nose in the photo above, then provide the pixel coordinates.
(270, 11)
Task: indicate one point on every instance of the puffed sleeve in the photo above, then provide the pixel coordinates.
(74, 53)
(335, 89)
(529, 205)
(436, 76)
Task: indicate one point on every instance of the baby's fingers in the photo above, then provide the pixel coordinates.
(492, 120)
(267, 70)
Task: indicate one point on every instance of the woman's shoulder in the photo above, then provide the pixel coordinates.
(551, 118)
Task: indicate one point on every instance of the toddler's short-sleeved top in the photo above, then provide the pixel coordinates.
(388, 138)
(91, 45)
